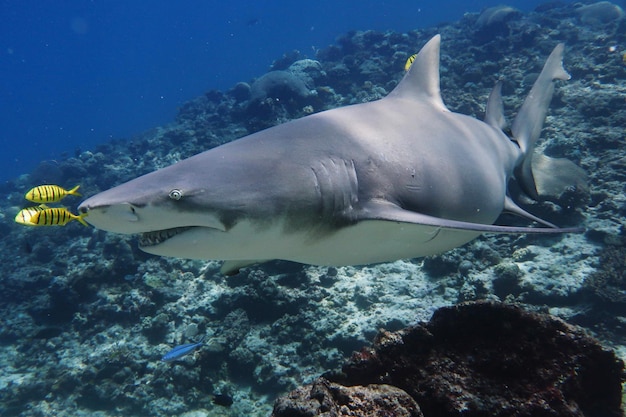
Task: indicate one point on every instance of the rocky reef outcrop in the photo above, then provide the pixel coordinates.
(473, 359)
(331, 399)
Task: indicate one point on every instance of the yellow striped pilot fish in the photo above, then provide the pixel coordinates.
(56, 216)
(50, 193)
(25, 215)
(409, 62)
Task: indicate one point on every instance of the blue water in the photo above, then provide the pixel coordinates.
(76, 73)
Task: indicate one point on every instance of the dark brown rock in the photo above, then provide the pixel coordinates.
(490, 359)
(324, 398)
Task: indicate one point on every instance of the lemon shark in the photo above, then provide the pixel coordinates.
(396, 178)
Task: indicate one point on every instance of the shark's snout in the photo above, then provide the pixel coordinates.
(118, 218)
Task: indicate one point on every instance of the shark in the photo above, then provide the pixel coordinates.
(396, 178)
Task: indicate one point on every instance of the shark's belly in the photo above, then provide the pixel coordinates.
(362, 243)
(381, 241)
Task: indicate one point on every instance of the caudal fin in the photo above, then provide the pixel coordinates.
(541, 176)
(81, 219)
(74, 191)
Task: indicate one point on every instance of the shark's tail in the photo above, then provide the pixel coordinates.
(541, 176)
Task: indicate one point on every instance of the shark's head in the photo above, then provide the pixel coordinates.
(205, 207)
(159, 205)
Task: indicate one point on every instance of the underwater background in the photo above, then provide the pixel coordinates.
(78, 73)
(98, 93)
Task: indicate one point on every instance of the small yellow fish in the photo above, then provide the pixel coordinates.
(50, 193)
(25, 215)
(56, 216)
(409, 62)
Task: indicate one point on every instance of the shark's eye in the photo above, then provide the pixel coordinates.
(176, 194)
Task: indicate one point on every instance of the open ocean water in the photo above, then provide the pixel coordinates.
(95, 93)
(77, 73)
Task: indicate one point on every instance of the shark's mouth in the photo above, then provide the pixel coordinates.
(159, 236)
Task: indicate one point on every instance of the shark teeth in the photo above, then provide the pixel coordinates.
(160, 236)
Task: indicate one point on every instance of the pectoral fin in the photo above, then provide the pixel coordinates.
(393, 213)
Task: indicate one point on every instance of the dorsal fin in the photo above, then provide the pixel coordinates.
(421, 82)
(494, 114)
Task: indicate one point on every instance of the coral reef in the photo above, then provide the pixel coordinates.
(494, 21)
(600, 13)
(280, 85)
(327, 398)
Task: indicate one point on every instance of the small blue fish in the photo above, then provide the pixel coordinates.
(182, 350)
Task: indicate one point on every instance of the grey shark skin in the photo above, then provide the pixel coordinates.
(401, 177)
